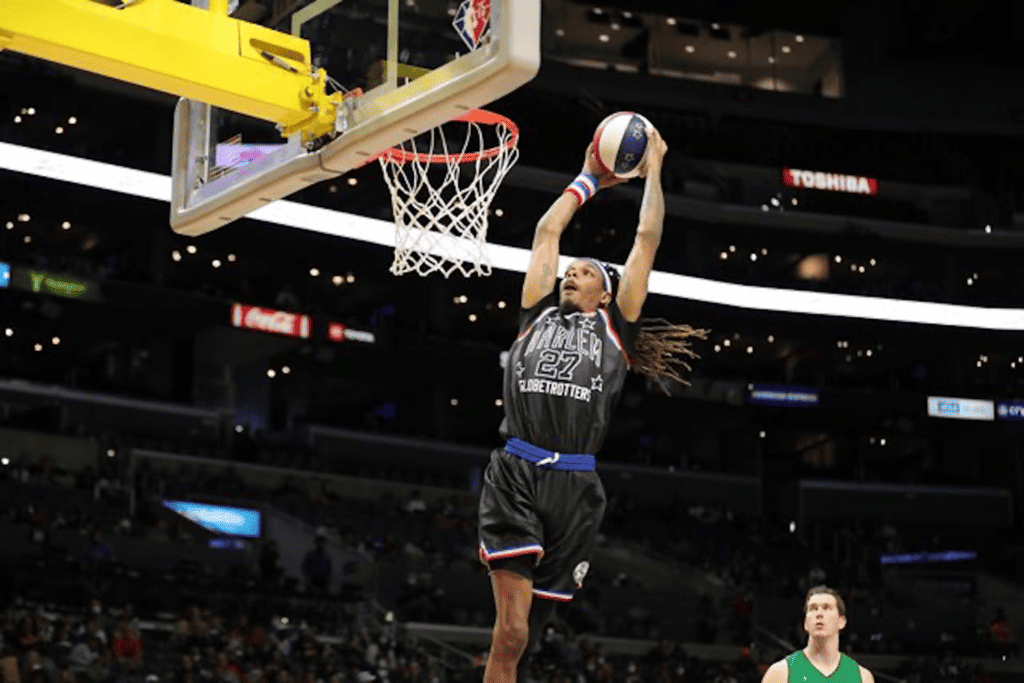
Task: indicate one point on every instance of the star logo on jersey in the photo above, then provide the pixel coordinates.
(520, 369)
(597, 383)
(588, 324)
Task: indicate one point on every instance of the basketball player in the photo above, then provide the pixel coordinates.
(542, 502)
(821, 660)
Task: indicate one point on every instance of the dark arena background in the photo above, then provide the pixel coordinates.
(191, 491)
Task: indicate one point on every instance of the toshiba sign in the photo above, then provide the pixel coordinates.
(269, 320)
(834, 182)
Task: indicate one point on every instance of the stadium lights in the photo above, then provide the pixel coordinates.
(216, 263)
(72, 120)
(65, 225)
(353, 181)
(771, 338)
(238, 429)
(17, 119)
(516, 259)
(176, 255)
(603, 38)
(111, 452)
(501, 304)
(691, 49)
(726, 342)
(750, 350)
(231, 257)
(190, 249)
(55, 341)
(559, 32)
(314, 272)
(337, 279)
(59, 130)
(498, 402)
(350, 279)
(472, 317)
(28, 239)
(285, 370)
(732, 54)
(671, 21)
(988, 228)
(454, 401)
(787, 49)
(753, 257)
(732, 248)
(761, 434)
(24, 217)
(271, 373)
(724, 256)
(499, 212)
(799, 39)
(38, 347)
(9, 332)
(10, 225)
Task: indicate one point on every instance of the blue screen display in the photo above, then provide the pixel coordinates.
(5, 274)
(783, 395)
(225, 520)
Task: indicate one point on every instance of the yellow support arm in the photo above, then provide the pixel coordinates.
(182, 50)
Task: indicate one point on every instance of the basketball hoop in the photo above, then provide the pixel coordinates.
(442, 184)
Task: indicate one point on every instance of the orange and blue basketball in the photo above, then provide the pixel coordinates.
(620, 143)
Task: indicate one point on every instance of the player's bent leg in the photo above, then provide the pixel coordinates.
(513, 596)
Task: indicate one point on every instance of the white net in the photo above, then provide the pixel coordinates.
(441, 195)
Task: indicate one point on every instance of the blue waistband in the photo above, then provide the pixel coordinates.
(541, 457)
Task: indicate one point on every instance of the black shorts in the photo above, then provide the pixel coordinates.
(551, 514)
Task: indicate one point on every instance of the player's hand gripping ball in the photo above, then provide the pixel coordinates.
(620, 144)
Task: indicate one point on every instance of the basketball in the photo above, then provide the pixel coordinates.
(620, 143)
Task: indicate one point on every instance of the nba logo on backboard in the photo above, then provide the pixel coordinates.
(471, 21)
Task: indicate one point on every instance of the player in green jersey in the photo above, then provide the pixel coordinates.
(821, 661)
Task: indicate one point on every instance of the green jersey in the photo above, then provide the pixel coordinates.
(802, 671)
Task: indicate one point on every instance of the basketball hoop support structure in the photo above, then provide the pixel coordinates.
(203, 55)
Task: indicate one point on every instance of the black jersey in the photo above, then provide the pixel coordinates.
(564, 376)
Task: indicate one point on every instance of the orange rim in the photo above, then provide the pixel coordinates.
(401, 156)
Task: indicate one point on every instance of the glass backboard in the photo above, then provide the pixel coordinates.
(407, 66)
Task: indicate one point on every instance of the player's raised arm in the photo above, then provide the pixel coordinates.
(633, 289)
(543, 271)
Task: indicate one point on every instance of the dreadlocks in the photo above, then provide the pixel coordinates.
(661, 346)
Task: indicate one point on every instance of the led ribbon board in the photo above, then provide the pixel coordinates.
(291, 214)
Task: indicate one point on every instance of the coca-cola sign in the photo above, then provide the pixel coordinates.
(269, 320)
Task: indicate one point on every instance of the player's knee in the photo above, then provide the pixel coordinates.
(511, 638)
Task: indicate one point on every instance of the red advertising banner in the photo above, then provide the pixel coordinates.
(269, 320)
(338, 332)
(833, 182)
